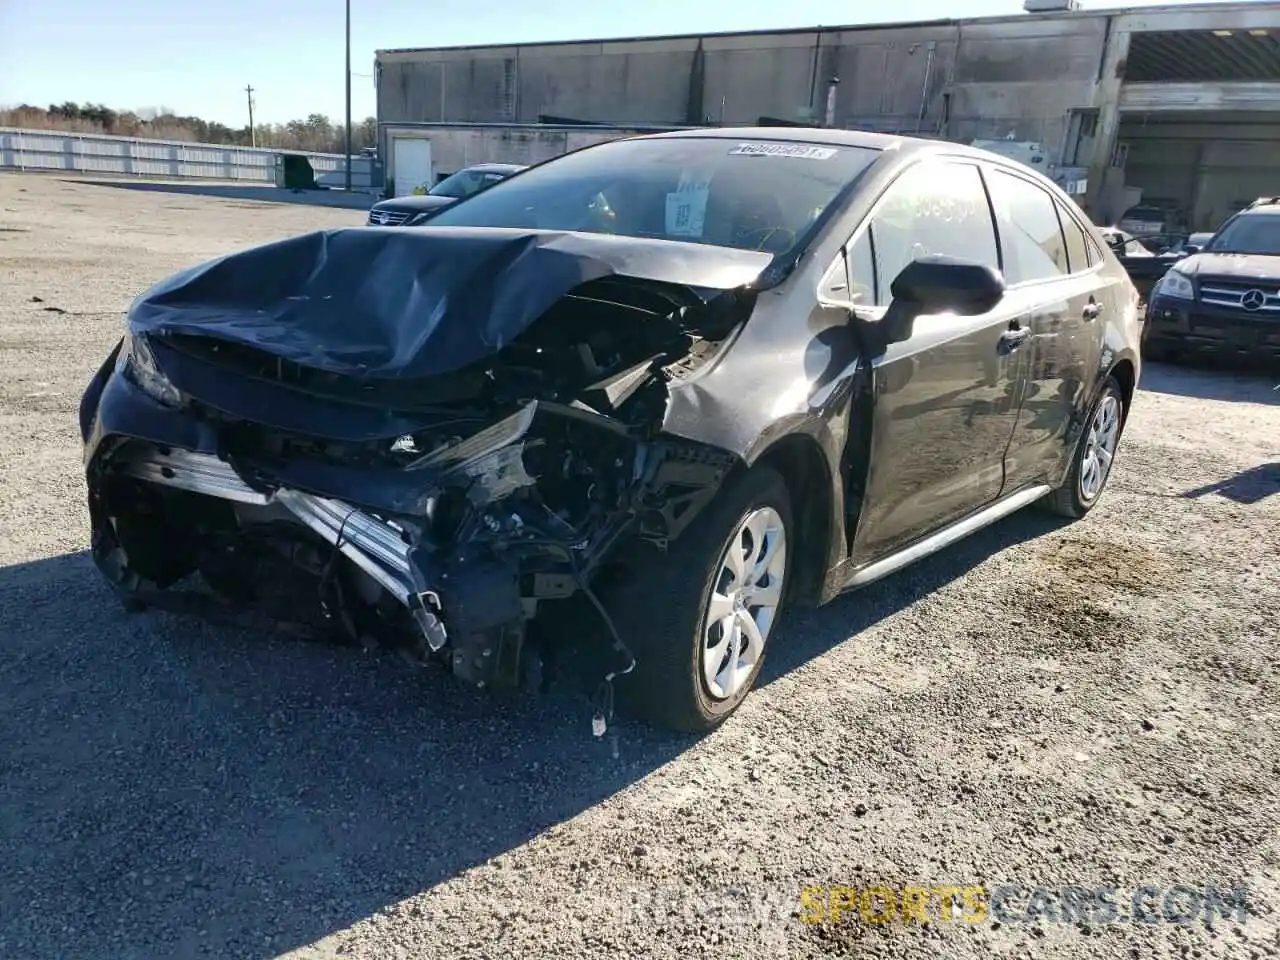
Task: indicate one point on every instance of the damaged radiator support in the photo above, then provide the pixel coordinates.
(372, 545)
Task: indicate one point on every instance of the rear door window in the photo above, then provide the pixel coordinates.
(1031, 237)
(1095, 252)
(1077, 245)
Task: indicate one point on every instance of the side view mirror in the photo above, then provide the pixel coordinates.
(938, 284)
(1191, 249)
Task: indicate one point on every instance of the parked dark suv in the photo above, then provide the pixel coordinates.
(677, 384)
(1225, 299)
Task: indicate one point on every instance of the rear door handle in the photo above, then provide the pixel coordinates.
(1091, 310)
(1013, 338)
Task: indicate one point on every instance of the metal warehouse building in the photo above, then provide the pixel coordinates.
(1179, 102)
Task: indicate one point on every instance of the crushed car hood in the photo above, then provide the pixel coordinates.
(378, 303)
(1245, 266)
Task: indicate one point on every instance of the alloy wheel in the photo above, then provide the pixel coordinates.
(1100, 447)
(744, 602)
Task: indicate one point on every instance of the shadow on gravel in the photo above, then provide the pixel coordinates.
(1246, 487)
(223, 191)
(1210, 382)
(170, 788)
(809, 633)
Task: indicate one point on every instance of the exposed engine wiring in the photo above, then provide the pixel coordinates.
(329, 579)
(602, 701)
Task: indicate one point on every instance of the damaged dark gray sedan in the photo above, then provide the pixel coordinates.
(684, 381)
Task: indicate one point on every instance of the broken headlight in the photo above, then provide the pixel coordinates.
(138, 364)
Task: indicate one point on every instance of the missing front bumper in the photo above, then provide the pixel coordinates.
(376, 547)
(379, 549)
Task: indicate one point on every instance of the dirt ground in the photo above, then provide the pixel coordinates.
(1093, 705)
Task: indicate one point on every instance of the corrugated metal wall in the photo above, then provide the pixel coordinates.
(454, 146)
(1017, 76)
(171, 159)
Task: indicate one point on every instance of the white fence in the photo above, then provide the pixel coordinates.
(139, 157)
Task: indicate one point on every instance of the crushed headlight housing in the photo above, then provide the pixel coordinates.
(138, 364)
(1176, 284)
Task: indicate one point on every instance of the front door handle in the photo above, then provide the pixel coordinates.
(1091, 310)
(1013, 338)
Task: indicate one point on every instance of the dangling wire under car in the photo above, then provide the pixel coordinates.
(602, 701)
(330, 578)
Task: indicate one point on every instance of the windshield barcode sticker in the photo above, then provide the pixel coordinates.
(687, 206)
(802, 151)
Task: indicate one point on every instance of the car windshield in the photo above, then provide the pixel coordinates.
(759, 195)
(464, 183)
(1256, 234)
(1145, 214)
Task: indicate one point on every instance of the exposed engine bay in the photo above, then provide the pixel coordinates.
(508, 482)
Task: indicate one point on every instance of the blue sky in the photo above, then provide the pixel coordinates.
(198, 57)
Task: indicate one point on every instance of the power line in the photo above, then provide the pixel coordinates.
(253, 134)
(348, 45)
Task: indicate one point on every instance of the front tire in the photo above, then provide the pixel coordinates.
(1094, 457)
(699, 618)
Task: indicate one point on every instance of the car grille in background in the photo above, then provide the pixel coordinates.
(388, 218)
(1255, 296)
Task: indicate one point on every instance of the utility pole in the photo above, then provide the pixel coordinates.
(348, 96)
(253, 134)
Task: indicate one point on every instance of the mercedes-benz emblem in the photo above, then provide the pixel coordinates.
(1253, 299)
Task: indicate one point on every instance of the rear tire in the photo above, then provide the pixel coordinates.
(678, 614)
(1094, 456)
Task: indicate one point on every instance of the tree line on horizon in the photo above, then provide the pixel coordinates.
(317, 133)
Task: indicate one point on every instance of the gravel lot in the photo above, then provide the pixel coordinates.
(1045, 704)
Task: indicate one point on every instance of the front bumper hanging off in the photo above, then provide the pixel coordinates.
(377, 548)
(374, 546)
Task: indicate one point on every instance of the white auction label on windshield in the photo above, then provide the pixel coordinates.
(803, 151)
(687, 206)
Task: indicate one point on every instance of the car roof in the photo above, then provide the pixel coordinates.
(825, 136)
(495, 167)
(820, 135)
(897, 144)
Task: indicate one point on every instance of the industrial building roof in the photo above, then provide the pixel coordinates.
(1173, 9)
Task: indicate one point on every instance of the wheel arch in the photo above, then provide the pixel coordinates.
(803, 464)
(1126, 374)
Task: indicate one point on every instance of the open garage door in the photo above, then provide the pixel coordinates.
(1200, 121)
(1203, 167)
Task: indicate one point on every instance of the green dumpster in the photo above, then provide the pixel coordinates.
(294, 172)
